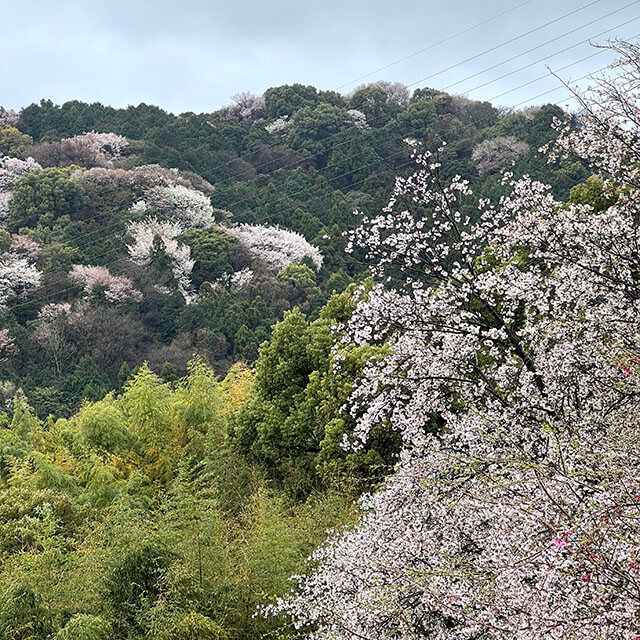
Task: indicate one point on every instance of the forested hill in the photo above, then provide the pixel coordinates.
(134, 235)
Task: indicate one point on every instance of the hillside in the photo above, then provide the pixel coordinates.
(133, 235)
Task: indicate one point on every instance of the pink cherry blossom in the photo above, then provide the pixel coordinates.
(116, 289)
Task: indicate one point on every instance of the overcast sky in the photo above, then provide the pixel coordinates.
(193, 55)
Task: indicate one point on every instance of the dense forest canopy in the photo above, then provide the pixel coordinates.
(217, 332)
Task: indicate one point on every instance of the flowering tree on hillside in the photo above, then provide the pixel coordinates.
(359, 119)
(115, 289)
(12, 168)
(18, 276)
(498, 153)
(274, 246)
(25, 246)
(248, 106)
(5, 196)
(149, 235)
(513, 375)
(8, 117)
(396, 91)
(87, 150)
(279, 125)
(187, 207)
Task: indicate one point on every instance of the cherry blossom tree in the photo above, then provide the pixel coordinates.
(529, 113)
(497, 154)
(24, 245)
(7, 345)
(18, 273)
(8, 117)
(234, 281)
(153, 175)
(513, 374)
(18, 276)
(276, 247)
(94, 280)
(396, 91)
(5, 196)
(359, 119)
(184, 206)
(248, 106)
(279, 125)
(150, 233)
(12, 168)
(87, 150)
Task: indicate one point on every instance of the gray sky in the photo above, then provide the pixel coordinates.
(192, 55)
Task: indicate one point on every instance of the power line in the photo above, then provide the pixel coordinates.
(435, 44)
(109, 237)
(546, 75)
(57, 293)
(543, 44)
(564, 35)
(504, 44)
(558, 88)
(119, 223)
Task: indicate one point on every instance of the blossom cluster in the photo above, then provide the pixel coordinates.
(25, 246)
(8, 117)
(7, 344)
(514, 512)
(397, 92)
(92, 279)
(498, 153)
(88, 150)
(12, 168)
(54, 310)
(184, 206)
(148, 235)
(5, 198)
(235, 281)
(111, 145)
(278, 125)
(276, 247)
(18, 276)
(359, 119)
(248, 106)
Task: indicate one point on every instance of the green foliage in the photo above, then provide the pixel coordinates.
(85, 627)
(309, 178)
(375, 104)
(288, 99)
(47, 119)
(293, 423)
(312, 126)
(592, 192)
(415, 120)
(13, 143)
(41, 197)
(136, 518)
(210, 248)
(154, 501)
(425, 93)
